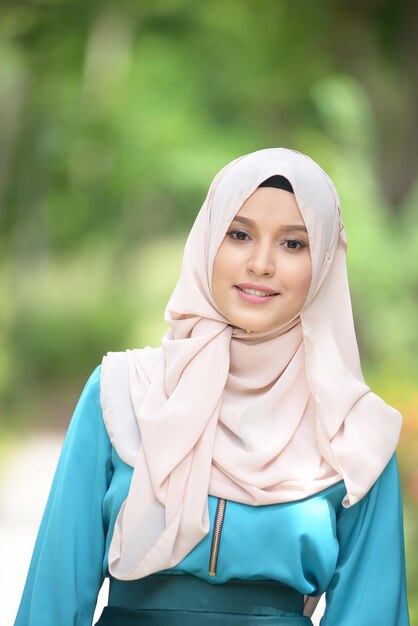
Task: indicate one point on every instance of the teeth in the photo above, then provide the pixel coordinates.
(255, 292)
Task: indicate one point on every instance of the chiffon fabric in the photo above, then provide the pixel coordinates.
(315, 546)
(258, 418)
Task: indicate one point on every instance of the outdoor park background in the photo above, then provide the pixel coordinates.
(114, 118)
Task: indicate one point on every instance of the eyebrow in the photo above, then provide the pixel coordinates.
(285, 227)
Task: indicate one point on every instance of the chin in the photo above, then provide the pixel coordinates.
(255, 328)
(261, 329)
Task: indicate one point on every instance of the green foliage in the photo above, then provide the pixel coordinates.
(114, 118)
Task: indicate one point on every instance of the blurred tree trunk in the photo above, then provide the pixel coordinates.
(377, 42)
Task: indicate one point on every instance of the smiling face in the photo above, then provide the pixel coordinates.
(266, 247)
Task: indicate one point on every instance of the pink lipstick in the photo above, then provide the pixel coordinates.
(242, 290)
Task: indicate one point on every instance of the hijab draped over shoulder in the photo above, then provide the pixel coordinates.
(258, 418)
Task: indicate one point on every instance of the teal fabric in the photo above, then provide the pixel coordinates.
(115, 616)
(172, 592)
(171, 600)
(356, 555)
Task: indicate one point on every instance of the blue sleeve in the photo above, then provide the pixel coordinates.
(368, 587)
(66, 570)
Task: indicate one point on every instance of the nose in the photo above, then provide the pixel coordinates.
(261, 261)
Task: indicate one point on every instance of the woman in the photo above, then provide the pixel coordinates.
(243, 468)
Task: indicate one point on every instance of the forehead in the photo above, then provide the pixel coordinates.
(275, 205)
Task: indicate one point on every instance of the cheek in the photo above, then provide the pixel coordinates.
(220, 270)
(300, 275)
(224, 264)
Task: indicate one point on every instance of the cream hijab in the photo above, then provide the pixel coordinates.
(257, 418)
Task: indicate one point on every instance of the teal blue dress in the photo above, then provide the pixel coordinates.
(312, 546)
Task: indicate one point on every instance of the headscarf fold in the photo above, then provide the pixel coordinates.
(260, 417)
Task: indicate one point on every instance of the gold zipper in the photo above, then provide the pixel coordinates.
(216, 537)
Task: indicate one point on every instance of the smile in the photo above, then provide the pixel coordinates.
(255, 292)
(254, 295)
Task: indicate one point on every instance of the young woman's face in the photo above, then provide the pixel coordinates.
(266, 247)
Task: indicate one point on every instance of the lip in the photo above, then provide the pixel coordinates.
(252, 298)
(257, 287)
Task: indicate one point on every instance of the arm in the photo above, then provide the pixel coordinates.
(368, 587)
(65, 573)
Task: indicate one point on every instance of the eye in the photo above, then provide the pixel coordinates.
(294, 243)
(240, 234)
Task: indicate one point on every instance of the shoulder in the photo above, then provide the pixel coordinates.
(86, 430)
(387, 486)
(115, 398)
(124, 379)
(89, 399)
(388, 481)
(88, 407)
(382, 497)
(92, 386)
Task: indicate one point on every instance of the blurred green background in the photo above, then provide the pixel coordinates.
(114, 118)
